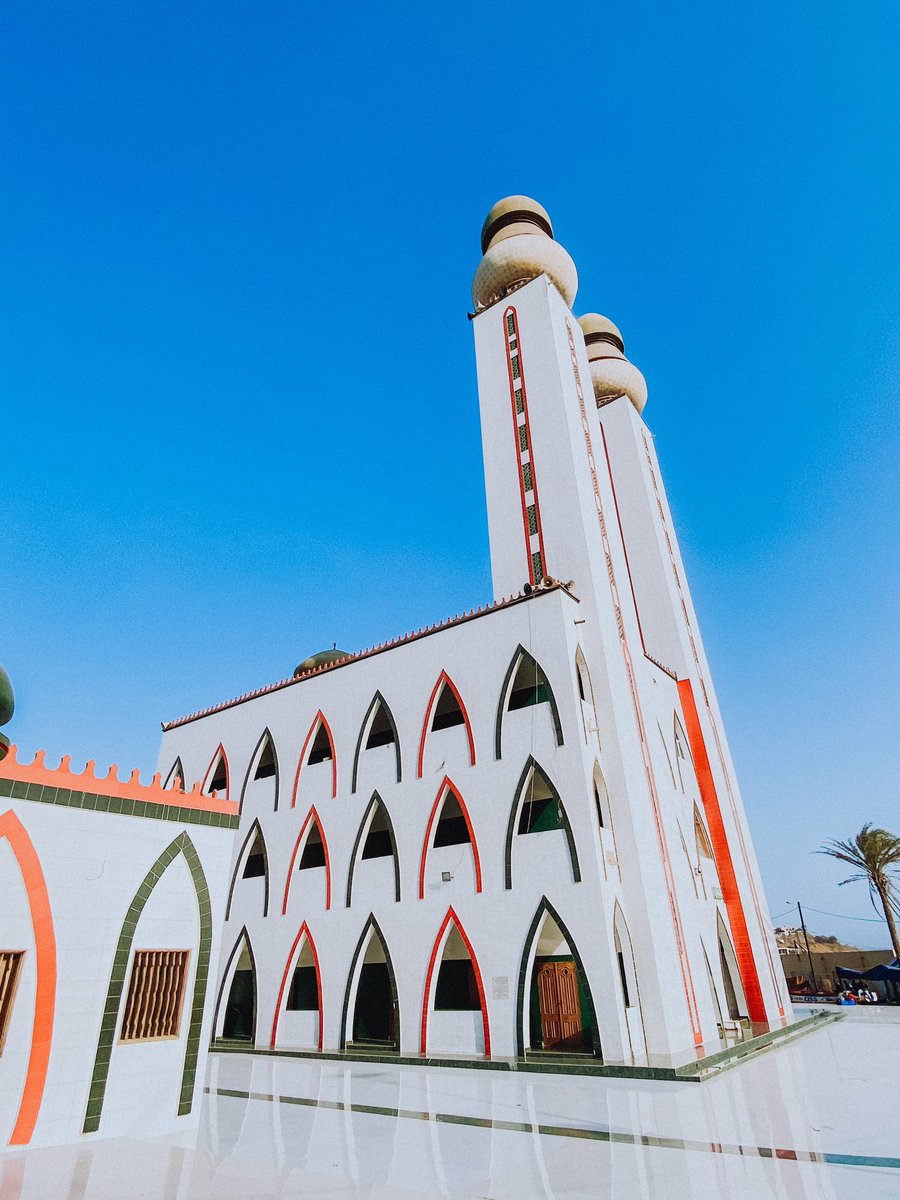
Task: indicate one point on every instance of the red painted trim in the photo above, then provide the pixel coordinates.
(438, 945)
(304, 929)
(220, 749)
(311, 816)
(444, 678)
(665, 858)
(515, 418)
(29, 864)
(320, 716)
(724, 865)
(446, 787)
(612, 484)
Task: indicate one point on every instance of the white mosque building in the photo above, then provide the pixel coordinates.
(514, 838)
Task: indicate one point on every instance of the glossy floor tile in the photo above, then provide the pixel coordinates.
(815, 1120)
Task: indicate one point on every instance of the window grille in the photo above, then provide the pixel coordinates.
(155, 995)
(10, 965)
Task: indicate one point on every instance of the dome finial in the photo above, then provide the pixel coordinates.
(611, 373)
(517, 244)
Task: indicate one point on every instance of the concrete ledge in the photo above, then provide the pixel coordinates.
(692, 1072)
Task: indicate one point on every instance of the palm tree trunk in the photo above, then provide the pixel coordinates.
(885, 899)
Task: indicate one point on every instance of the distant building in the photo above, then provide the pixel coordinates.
(516, 833)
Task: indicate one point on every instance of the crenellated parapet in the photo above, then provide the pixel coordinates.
(60, 784)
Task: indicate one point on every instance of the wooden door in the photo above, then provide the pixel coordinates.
(561, 1027)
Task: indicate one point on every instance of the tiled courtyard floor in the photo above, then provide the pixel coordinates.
(816, 1119)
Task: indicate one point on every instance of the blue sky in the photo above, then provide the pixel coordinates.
(238, 381)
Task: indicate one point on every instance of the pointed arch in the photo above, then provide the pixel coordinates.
(312, 818)
(181, 845)
(586, 694)
(379, 704)
(444, 681)
(176, 772)
(452, 919)
(22, 847)
(446, 789)
(534, 769)
(731, 972)
(370, 929)
(253, 768)
(376, 804)
(243, 939)
(293, 954)
(701, 837)
(545, 909)
(521, 658)
(318, 723)
(254, 832)
(628, 976)
(216, 773)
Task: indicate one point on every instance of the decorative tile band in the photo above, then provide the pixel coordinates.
(16, 789)
(531, 511)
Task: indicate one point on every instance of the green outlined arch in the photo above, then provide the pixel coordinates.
(522, 655)
(181, 845)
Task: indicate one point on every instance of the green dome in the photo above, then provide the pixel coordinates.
(322, 659)
(7, 700)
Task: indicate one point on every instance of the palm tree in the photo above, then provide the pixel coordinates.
(875, 854)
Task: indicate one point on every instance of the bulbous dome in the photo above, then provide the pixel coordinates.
(517, 243)
(611, 373)
(322, 659)
(7, 699)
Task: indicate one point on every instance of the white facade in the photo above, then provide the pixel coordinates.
(638, 890)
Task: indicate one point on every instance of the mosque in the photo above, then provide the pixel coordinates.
(513, 839)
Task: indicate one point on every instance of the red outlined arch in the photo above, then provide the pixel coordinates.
(312, 817)
(304, 931)
(29, 864)
(448, 786)
(220, 749)
(318, 719)
(444, 679)
(438, 947)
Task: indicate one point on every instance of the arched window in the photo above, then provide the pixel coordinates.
(310, 855)
(299, 1007)
(235, 1018)
(217, 774)
(453, 986)
(378, 729)
(628, 982)
(374, 839)
(252, 863)
(538, 808)
(525, 685)
(175, 778)
(318, 747)
(586, 699)
(449, 825)
(261, 781)
(682, 749)
(731, 974)
(445, 710)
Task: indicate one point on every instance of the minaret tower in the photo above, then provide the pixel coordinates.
(574, 494)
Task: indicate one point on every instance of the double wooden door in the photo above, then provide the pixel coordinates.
(557, 985)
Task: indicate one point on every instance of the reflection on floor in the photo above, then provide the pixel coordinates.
(814, 1119)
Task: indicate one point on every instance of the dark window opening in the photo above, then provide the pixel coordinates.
(624, 977)
(303, 995)
(321, 747)
(374, 1017)
(447, 711)
(313, 852)
(176, 776)
(581, 686)
(541, 811)
(457, 987)
(378, 842)
(599, 805)
(452, 829)
(256, 861)
(219, 781)
(529, 687)
(381, 732)
(265, 768)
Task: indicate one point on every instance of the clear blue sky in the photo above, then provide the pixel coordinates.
(238, 382)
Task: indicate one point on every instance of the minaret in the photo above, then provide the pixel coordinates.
(574, 494)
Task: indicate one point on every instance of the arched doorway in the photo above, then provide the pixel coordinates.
(371, 1011)
(236, 1018)
(556, 1009)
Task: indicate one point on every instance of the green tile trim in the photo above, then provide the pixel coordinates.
(533, 765)
(181, 845)
(16, 789)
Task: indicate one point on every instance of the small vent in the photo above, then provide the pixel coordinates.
(10, 965)
(155, 994)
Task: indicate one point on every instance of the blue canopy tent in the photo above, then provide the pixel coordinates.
(886, 973)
